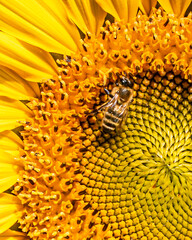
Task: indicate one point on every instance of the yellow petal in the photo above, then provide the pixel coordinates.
(13, 86)
(11, 112)
(146, 6)
(87, 14)
(10, 142)
(13, 235)
(8, 171)
(120, 9)
(28, 61)
(10, 210)
(42, 23)
(178, 7)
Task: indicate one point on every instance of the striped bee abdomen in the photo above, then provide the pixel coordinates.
(111, 120)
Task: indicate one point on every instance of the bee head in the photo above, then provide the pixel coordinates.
(126, 82)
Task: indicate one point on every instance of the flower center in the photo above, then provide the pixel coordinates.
(139, 179)
(79, 182)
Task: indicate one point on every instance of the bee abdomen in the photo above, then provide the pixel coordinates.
(112, 117)
(107, 129)
(110, 122)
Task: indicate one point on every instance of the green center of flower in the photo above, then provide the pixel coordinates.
(139, 179)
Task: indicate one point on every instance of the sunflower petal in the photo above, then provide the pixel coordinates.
(42, 23)
(146, 6)
(178, 7)
(11, 112)
(13, 235)
(10, 142)
(120, 9)
(10, 210)
(87, 15)
(13, 86)
(28, 61)
(8, 171)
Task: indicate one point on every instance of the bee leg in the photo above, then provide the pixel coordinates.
(101, 108)
(105, 105)
(112, 101)
(92, 113)
(108, 93)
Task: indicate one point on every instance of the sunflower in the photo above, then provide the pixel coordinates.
(61, 175)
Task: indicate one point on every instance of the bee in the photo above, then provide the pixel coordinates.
(116, 109)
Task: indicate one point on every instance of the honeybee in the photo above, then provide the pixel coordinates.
(116, 109)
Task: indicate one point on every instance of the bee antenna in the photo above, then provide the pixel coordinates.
(118, 74)
(125, 73)
(131, 75)
(108, 93)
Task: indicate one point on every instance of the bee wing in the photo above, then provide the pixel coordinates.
(124, 113)
(110, 103)
(126, 108)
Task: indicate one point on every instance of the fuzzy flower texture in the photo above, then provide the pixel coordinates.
(61, 175)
